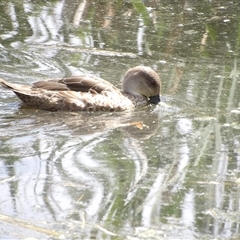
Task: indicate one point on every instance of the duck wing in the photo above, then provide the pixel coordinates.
(54, 95)
(76, 83)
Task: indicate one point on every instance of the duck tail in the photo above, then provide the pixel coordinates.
(23, 92)
(13, 86)
(7, 85)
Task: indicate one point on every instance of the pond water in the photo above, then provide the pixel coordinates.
(94, 175)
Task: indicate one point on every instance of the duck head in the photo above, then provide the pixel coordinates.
(143, 81)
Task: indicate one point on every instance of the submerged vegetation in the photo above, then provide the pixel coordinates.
(175, 173)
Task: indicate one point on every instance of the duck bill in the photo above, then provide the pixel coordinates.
(154, 99)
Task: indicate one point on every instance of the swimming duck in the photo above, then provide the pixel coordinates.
(140, 86)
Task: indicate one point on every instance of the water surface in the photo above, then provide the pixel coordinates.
(94, 176)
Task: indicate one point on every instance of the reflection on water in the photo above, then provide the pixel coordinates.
(97, 175)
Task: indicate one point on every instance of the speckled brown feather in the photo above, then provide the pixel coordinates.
(84, 93)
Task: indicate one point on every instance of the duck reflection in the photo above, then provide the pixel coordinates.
(90, 160)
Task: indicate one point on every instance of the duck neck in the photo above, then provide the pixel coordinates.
(137, 99)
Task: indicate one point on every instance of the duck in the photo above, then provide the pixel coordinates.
(140, 86)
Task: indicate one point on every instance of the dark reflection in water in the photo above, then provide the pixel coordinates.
(98, 175)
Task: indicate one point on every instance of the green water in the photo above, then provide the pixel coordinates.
(89, 176)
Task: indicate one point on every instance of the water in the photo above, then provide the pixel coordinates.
(96, 176)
